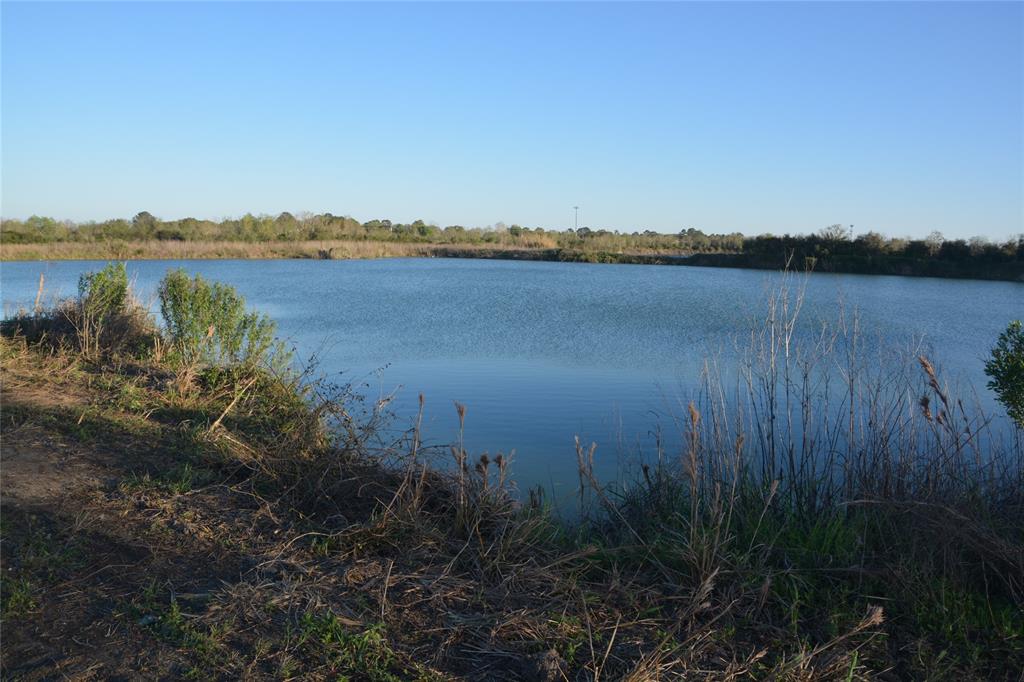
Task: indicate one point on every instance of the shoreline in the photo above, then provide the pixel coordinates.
(368, 249)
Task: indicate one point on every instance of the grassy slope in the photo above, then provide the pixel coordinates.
(139, 542)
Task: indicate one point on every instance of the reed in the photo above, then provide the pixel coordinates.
(822, 480)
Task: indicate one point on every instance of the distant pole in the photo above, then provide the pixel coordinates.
(576, 218)
(851, 233)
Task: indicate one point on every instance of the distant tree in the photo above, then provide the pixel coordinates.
(934, 241)
(896, 245)
(144, 222)
(169, 234)
(422, 229)
(834, 233)
(955, 250)
(286, 226)
(377, 225)
(917, 248)
(872, 242)
(43, 229)
(1006, 369)
(115, 229)
(979, 245)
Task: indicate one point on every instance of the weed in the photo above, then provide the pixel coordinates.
(166, 620)
(18, 597)
(362, 654)
(179, 480)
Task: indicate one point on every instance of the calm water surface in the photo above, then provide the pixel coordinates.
(541, 352)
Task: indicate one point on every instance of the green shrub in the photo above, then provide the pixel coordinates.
(1006, 369)
(104, 293)
(207, 324)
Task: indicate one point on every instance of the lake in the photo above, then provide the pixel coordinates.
(541, 352)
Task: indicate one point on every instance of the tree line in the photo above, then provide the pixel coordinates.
(835, 247)
(321, 227)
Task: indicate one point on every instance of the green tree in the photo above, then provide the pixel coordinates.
(1006, 369)
(42, 229)
(144, 223)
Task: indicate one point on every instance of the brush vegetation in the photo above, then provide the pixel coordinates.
(832, 249)
(1006, 371)
(825, 518)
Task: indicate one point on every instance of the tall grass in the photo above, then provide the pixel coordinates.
(825, 478)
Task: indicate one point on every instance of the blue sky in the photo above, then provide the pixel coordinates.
(765, 117)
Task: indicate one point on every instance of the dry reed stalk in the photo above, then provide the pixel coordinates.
(36, 307)
(234, 401)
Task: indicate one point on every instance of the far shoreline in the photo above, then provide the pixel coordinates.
(369, 249)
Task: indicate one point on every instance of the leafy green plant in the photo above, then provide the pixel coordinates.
(103, 293)
(364, 655)
(176, 481)
(17, 599)
(202, 643)
(1006, 369)
(105, 317)
(208, 324)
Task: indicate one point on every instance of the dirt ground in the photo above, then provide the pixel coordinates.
(66, 535)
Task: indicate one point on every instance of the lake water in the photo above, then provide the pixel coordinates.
(541, 352)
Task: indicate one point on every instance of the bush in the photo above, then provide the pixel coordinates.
(1006, 368)
(104, 293)
(207, 324)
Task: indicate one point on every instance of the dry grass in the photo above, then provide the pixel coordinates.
(129, 331)
(534, 248)
(179, 250)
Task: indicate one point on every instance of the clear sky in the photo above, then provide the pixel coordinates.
(765, 117)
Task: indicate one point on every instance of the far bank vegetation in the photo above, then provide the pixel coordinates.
(835, 248)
